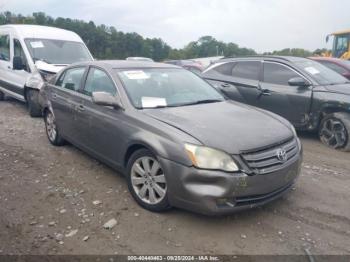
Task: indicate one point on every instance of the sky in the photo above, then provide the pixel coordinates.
(264, 25)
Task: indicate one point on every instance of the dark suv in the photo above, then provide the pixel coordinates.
(308, 94)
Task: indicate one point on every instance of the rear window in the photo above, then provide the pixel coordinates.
(247, 70)
(225, 69)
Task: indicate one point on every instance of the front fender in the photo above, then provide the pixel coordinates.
(326, 103)
(35, 81)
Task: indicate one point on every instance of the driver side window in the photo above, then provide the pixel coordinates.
(278, 74)
(18, 51)
(98, 81)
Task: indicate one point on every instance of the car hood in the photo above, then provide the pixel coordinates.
(227, 125)
(341, 89)
(41, 65)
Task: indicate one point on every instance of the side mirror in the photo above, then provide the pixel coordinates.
(298, 81)
(106, 99)
(18, 63)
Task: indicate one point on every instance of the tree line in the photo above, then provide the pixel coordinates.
(106, 42)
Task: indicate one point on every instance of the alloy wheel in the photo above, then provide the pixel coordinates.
(148, 180)
(51, 127)
(333, 133)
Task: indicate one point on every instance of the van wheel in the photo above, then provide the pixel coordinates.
(51, 129)
(147, 182)
(335, 130)
(2, 96)
(33, 103)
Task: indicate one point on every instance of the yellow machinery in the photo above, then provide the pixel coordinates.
(341, 45)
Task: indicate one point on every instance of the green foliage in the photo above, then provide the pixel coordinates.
(291, 52)
(106, 42)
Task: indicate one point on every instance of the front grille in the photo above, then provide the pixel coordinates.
(264, 161)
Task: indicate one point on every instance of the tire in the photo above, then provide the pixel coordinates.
(51, 129)
(2, 96)
(150, 189)
(34, 108)
(334, 131)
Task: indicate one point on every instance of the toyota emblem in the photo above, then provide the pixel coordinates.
(281, 155)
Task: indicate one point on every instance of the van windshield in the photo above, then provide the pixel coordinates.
(57, 51)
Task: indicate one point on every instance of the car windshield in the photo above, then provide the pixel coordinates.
(156, 88)
(322, 74)
(57, 51)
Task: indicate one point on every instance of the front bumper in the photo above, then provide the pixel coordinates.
(216, 192)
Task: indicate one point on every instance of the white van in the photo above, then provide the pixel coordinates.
(30, 55)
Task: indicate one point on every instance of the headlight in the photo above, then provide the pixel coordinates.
(209, 158)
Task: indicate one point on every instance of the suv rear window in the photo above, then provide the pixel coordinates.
(225, 69)
(247, 69)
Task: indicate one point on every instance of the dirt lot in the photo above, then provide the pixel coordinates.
(48, 193)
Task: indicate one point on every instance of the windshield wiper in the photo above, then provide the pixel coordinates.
(205, 101)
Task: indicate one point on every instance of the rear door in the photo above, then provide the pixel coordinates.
(238, 80)
(65, 100)
(291, 102)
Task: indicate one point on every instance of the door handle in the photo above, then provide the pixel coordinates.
(80, 108)
(265, 92)
(225, 85)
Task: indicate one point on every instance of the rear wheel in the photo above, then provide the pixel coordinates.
(51, 129)
(33, 103)
(334, 131)
(2, 96)
(147, 182)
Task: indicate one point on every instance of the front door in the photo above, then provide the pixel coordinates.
(291, 102)
(103, 126)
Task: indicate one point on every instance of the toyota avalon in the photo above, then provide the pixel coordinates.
(178, 141)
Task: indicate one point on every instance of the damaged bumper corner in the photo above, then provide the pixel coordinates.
(216, 192)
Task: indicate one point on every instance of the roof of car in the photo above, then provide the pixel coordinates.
(267, 57)
(125, 64)
(44, 32)
(325, 58)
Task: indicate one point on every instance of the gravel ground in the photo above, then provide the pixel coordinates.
(56, 201)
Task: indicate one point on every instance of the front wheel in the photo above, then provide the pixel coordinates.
(147, 181)
(51, 129)
(334, 131)
(33, 103)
